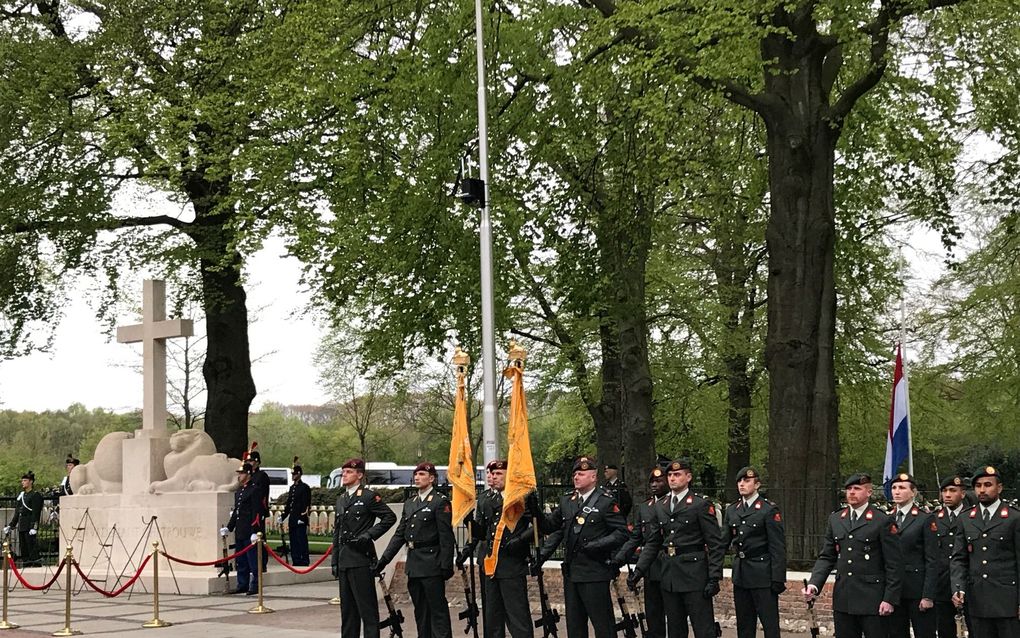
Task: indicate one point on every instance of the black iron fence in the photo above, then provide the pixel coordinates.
(48, 536)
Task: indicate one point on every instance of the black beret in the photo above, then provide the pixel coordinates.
(496, 464)
(679, 464)
(860, 478)
(584, 463)
(987, 470)
(952, 481)
(612, 466)
(30, 475)
(903, 477)
(748, 473)
(655, 474)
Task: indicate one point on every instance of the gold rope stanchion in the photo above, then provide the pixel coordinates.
(259, 608)
(156, 621)
(69, 566)
(4, 623)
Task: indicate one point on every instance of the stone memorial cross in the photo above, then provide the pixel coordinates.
(153, 332)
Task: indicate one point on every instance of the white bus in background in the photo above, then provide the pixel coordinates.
(385, 473)
(280, 481)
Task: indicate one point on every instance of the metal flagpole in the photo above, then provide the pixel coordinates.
(485, 230)
(906, 386)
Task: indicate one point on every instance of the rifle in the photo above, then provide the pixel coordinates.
(470, 614)
(642, 619)
(629, 620)
(812, 614)
(284, 548)
(550, 617)
(225, 567)
(396, 617)
(961, 623)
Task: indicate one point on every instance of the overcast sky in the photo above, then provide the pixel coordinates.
(84, 367)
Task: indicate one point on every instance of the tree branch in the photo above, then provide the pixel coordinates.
(48, 226)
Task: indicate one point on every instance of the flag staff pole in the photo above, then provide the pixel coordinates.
(906, 386)
(489, 432)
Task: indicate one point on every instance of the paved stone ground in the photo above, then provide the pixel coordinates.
(300, 611)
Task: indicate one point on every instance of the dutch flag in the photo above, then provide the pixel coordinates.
(897, 445)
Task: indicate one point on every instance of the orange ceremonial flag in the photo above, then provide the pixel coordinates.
(461, 468)
(520, 467)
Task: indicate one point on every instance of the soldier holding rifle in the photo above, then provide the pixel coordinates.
(361, 518)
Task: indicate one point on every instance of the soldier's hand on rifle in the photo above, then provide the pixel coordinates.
(536, 566)
(463, 555)
(380, 566)
(711, 589)
(224, 531)
(959, 598)
(633, 579)
(33, 532)
(7, 530)
(809, 592)
(778, 587)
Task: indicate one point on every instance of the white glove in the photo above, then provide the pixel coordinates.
(32, 532)
(224, 531)
(300, 522)
(7, 530)
(254, 537)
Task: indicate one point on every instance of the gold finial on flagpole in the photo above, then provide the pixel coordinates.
(462, 360)
(517, 354)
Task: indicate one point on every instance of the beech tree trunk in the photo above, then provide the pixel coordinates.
(803, 406)
(227, 368)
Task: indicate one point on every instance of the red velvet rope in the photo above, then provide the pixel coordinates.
(119, 591)
(295, 569)
(218, 561)
(26, 584)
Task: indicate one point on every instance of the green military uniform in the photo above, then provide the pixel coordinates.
(919, 553)
(690, 551)
(645, 527)
(426, 528)
(592, 529)
(361, 519)
(945, 527)
(754, 528)
(985, 566)
(863, 547)
(27, 512)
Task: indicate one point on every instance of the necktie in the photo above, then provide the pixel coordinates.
(674, 501)
(987, 515)
(952, 518)
(899, 518)
(853, 516)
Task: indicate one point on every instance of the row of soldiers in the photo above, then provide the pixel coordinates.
(895, 573)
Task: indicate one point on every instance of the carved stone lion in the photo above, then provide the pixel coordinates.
(193, 465)
(103, 474)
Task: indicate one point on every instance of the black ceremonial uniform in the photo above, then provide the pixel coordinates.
(944, 526)
(299, 499)
(690, 550)
(866, 557)
(361, 519)
(426, 528)
(985, 565)
(758, 539)
(27, 512)
(246, 520)
(919, 553)
(592, 531)
(621, 493)
(506, 591)
(645, 526)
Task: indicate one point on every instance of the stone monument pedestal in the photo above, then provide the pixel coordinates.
(189, 523)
